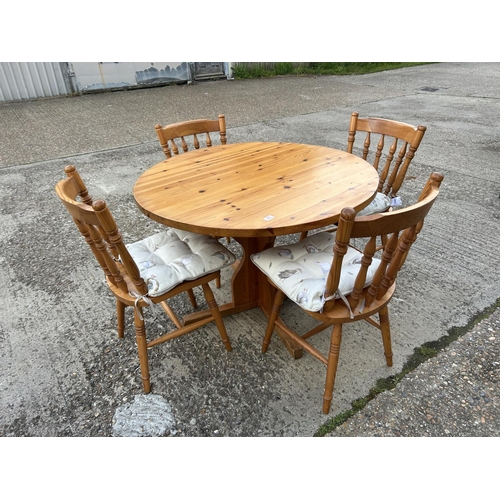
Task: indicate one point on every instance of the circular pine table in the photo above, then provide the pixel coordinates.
(254, 192)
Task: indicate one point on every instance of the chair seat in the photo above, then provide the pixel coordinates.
(170, 257)
(300, 270)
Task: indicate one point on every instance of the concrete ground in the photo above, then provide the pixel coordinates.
(65, 372)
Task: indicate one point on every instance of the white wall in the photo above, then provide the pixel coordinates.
(105, 75)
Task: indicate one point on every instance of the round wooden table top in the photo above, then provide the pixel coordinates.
(255, 189)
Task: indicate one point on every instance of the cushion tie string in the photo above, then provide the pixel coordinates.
(338, 295)
(362, 305)
(138, 297)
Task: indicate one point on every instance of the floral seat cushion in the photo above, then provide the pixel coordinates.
(170, 257)
(379, 204)
(300, 270)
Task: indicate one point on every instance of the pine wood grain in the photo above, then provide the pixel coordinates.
(255, 189)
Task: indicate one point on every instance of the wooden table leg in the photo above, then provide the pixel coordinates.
(246, 283)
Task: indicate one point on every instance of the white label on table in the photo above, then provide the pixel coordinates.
(269, 217)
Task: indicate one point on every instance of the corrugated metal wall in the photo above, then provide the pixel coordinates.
(31, 80)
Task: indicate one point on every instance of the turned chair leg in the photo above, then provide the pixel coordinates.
(385, 328)
(120, 316)
(331, 369)
(142, 349)
(278, 301)
(209, 297)
(192, 298)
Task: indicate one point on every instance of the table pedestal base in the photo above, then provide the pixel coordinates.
(253, 290)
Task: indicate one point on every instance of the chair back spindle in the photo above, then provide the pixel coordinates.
(99, 229)
(399, 229)
(405, 136)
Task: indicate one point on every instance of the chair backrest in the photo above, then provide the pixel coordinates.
(192, 128)
(98, 227)
(400, 228)
(397, 161)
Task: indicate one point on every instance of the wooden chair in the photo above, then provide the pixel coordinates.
(191, 129)
(336, 284)
(169, 134)
(149, 271)
(389, 146)
(84, 196)
(395, 162)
